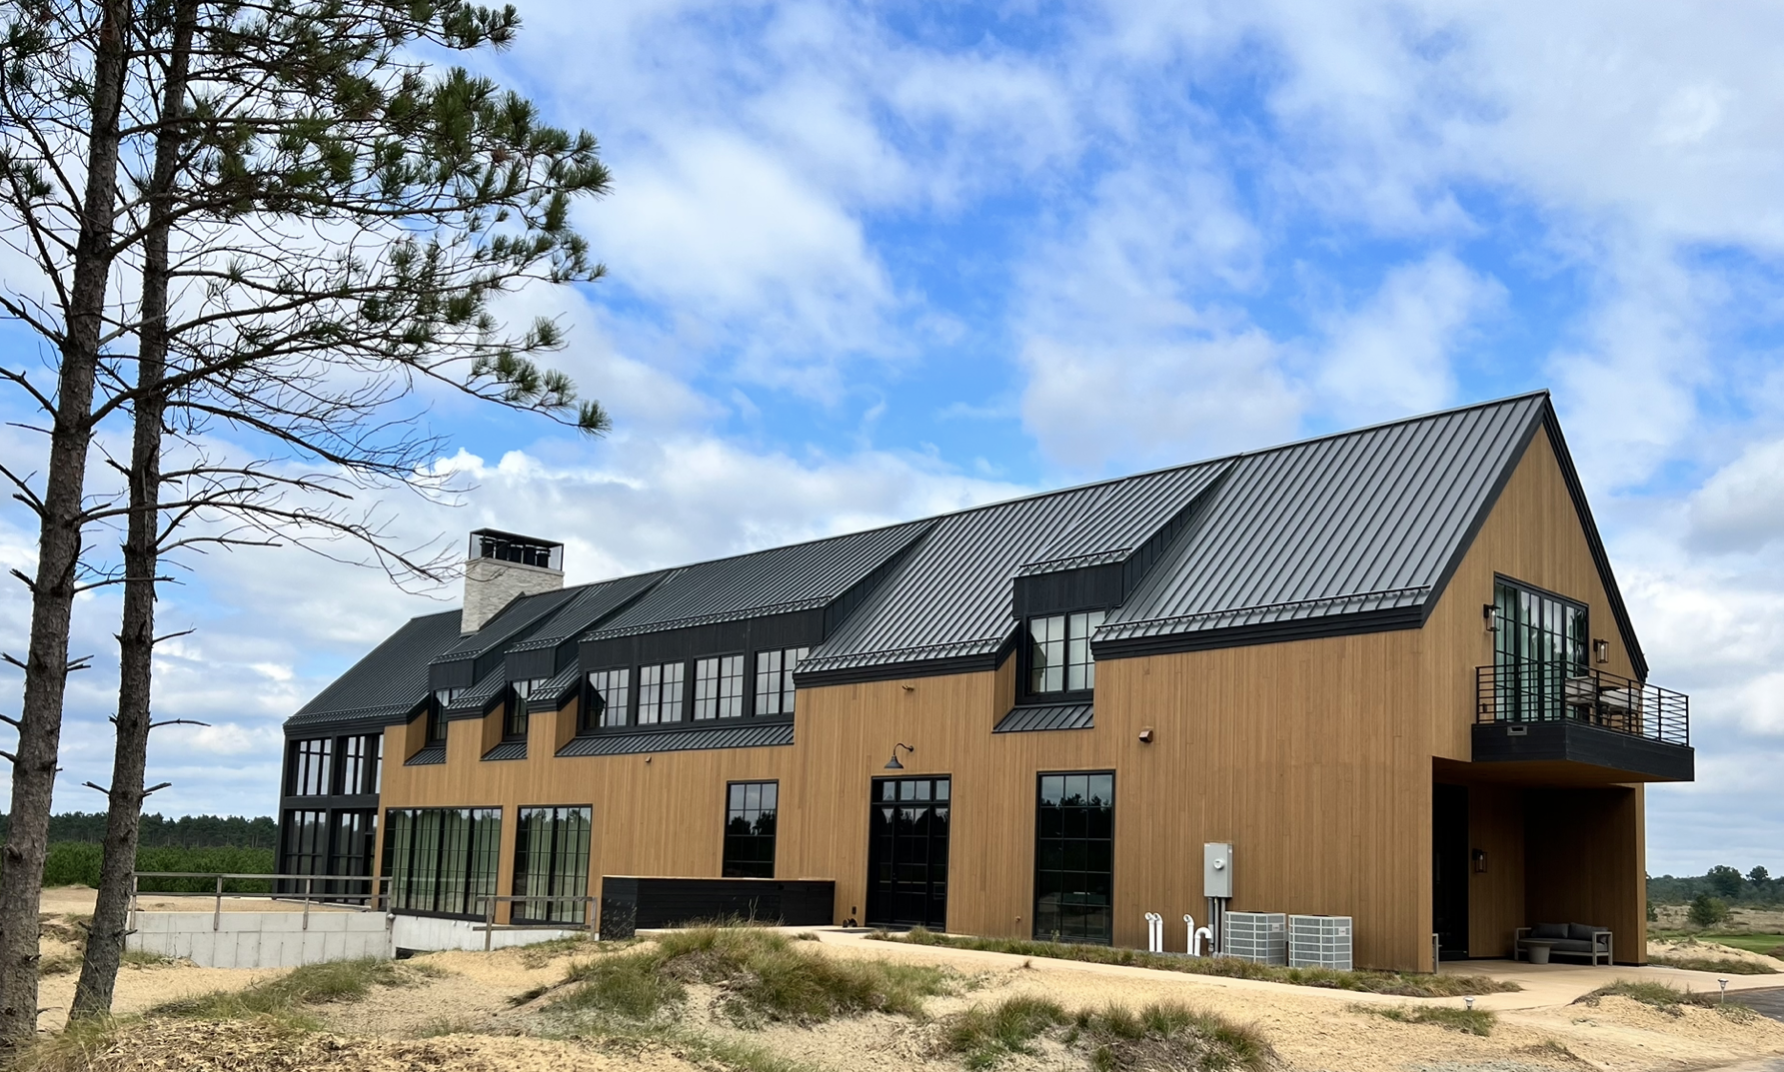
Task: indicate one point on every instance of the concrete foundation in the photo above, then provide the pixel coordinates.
(284, 940)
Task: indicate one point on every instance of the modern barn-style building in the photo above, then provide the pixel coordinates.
(1391, 666)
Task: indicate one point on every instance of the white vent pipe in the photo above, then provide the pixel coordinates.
(1155, 933)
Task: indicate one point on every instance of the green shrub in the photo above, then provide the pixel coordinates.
(1707, 911)
(76, 863)
(983, 1035)
(1162, 1035)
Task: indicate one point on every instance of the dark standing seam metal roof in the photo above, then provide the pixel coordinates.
(516, 617)
(779, 580)
(507, 750)
(472, 702)
(388, 682)
(591, 604)
(1361, 522)
(1038, 718)
(951, 598)
(632, 744)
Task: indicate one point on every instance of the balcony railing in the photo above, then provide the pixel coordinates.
(1532, 691)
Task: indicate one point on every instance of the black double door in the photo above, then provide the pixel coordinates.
(1450, 869)
(907, 859)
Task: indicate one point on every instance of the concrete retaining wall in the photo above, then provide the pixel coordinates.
(281, 940)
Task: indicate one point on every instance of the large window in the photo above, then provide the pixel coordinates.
(360, 767)
(514, 719)
(1539, 642)
(350, 848)
(774, 681)
(1059, 657)
(609, 698)
(659, 693)
(749, 829)
(311, 767)
(718, 687)
(442, 861)
(306, 843)
(551, 860)
(1074, 873)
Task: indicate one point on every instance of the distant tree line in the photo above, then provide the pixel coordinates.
(159, 832)
(1723, 883)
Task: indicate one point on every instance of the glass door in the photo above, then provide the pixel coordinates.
(907, 860)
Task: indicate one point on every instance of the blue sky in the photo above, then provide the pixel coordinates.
(872, 261)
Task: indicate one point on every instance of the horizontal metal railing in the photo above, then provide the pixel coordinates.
(300, 887)
(1535, 691)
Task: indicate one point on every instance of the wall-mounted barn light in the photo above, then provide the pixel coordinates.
(1601, 651)
(893, 764)
(1490, 614)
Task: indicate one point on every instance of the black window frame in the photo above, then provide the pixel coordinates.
(662, 707)
(434, 732)
(776, 681)
(592, 720)
(742, 850)
(516, 718)
(1069, 628)
(452, 894)
(1090, 851)
(310, 771)
(721, 662)
(305, 850)
(559, 882)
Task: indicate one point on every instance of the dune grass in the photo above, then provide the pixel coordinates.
(1161, 1035)
(1719, 965)
(1468, 1021)
(1401, 984)
(1659, 995)
(765, 976)
(290, 996)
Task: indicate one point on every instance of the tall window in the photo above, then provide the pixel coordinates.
(306, 843)
(718, 687)
(442, 860)
(514, 719)
(659, 693)
(1059, 657)
(774, 680)
(1539, 642)
(359, 758)
(310, 768)
(749, 829)
(350, 849)
(609, 698)
(1075, 858)
(551, 860)
(436, 716)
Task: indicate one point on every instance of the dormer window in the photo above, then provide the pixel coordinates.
(1059, 659)
(514, 719)
(436, 715)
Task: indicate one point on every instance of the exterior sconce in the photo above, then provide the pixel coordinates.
(1146, 735)
(1480, 861)
(893, 764)
(1601, 651)
(1490, 614)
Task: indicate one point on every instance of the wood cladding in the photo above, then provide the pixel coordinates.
(1314, 757)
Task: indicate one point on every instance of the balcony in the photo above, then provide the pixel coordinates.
(1578, 725)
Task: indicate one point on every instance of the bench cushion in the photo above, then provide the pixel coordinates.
(1569, 945)
(1548, 931)
(1581, 932)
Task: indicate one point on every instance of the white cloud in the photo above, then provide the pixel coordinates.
(1741, 507)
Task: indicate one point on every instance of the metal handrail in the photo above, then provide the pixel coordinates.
(1530, 690)
(492, 900)
(309, 895)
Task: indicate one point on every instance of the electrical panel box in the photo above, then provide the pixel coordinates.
(1217, 869)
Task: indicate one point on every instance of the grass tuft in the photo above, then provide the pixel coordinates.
(287, 997)
(1719, 965)
(1658, 995)
(1162, 1035)
(1400, 984)
(762, 976)
(76, 1048)
(1468, 1021)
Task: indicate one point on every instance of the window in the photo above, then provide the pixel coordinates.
(350, 849)
(610, 693)
(514, 719)
(774, 680)
(1059, 658)
(749, 829)
(551, 860)
(306, 842)
(1539, 641)
(436, 716)
(442, 860)
(310, 768)
(359, 764)
(1074, 858)
(718, 687)
(659, 693)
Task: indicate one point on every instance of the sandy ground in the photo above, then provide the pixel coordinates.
(462, 1019)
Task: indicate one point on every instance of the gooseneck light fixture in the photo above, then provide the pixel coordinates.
(893, 764)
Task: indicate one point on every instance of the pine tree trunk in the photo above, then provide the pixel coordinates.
(136, 637)
(59, 546)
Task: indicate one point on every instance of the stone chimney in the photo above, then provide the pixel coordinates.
(502, 566)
